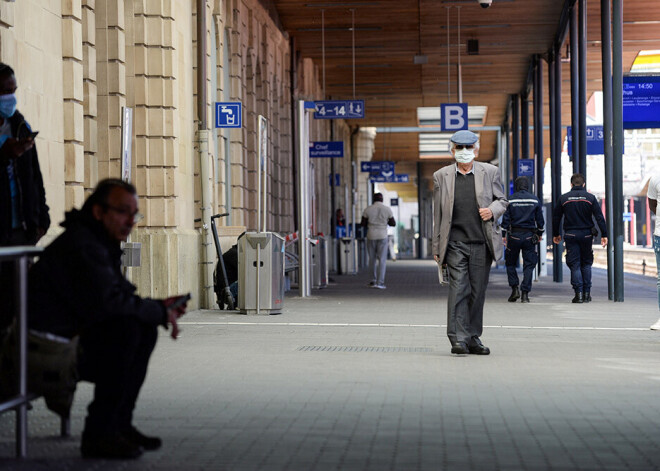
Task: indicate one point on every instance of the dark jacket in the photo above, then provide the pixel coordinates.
(78, 281)
(524, 212)
(579, 208)
(30, 187)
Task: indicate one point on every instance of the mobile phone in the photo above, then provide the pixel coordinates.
(180, 301)
(33, 134)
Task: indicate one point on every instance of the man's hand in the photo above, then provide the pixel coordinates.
(436, 257)
(13, 148)
(504, 240)
(486, 214)
(173, 314)
(556, 239)
(603, 241)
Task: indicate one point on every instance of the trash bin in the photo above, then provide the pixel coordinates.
(260, 273)
(348, 256)
(320, 264)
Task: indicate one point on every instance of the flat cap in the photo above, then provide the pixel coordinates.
(464, 137)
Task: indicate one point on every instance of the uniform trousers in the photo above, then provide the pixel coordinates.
(579, 257)
(515, 243)
(114, 355)
(469, 267)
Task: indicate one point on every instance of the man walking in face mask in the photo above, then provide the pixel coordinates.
(468, 200)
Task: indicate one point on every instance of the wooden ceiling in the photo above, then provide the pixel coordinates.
(389, 33)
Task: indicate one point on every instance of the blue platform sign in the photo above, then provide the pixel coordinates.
(641, 101)
(395, 178)
(228, 115)
(379, 166)
(525, 167)
(339, 109)
(595, 140)
(453, 117)
(326, 149)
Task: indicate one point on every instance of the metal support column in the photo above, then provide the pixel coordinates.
(515, 137)
(304, 199)
(575, 96)
(557, 249)
(617, 145)
(420, 210)
(524, 127)
(582, 60)
(606, 48)
(538, 126)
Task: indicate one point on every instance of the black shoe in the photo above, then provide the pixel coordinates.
(109, 447)
(135, 437)
(515, 294)
(579, 298)
(586, 296)
(478, 348)
(459, 348)
(524, 298)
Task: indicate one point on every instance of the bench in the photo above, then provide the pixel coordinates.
(20, 403)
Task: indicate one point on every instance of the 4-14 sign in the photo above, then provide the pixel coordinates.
(339, 109)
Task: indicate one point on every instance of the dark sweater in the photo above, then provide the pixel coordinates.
(465, 221)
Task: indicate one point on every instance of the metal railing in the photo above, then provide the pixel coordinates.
(20, 256)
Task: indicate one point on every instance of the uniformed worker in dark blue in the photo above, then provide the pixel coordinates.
(579, 209)
(522, 227)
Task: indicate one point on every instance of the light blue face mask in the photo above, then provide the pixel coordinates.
(7, 105)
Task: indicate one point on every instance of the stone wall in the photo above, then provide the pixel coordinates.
(79, 62)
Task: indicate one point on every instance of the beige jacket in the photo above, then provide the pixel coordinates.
(488, 189)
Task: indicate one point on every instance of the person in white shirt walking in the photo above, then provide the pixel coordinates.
(376, 218)
(652, 194)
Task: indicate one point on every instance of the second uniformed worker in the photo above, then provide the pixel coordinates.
(579, 208)
(522, 227)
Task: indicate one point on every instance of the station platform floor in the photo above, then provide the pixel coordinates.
(355, 378)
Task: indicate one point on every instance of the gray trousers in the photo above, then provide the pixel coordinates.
(469, 268)
(377, 249)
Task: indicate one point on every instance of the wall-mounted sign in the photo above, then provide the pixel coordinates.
(641, 102)
(396, 178)
(326, 149)
(228, 115)
(380, 166)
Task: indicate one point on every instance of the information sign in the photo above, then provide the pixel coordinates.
(326, 149)
(641, 101)
(453, 117)
(525, 167)
(339, 109)
(228, 115)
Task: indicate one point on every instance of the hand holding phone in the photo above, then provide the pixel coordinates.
(33, 134)
(175, 308)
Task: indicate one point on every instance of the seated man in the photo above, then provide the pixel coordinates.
(77, 288)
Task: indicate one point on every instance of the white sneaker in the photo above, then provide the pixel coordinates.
(656, 326)
(385, 287)
(372, 284)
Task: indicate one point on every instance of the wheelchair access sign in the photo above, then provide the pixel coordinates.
(228, 115)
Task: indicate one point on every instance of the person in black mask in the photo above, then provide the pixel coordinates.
(24, 217)
(522, 227)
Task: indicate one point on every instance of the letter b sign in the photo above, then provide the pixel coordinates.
(453, 116)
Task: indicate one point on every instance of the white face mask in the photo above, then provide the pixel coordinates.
(464, 156)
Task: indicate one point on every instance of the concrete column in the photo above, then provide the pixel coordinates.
(72, 83)
(90, 103)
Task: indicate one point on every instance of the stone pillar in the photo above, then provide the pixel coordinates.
(111, 84)
(72, 75)
(91, 169)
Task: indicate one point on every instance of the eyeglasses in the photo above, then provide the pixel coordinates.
(136, 216)
(461, 146)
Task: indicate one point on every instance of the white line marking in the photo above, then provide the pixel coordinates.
(434, 326)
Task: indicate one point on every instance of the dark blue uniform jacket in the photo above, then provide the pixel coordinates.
(524, 212)
(579, 209)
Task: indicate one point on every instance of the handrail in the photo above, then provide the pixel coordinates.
(20, 255)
